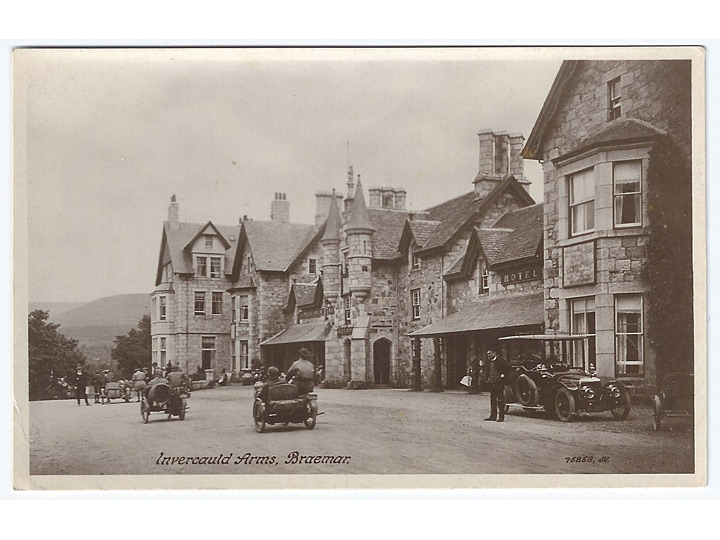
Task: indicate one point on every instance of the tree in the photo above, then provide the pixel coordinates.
(52, 355)
(133, 350)
(669, 268)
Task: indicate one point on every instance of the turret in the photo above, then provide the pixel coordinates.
(331, 254)
(358, 232)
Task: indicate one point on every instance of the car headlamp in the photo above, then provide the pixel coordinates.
(614, 391)
(588, 392)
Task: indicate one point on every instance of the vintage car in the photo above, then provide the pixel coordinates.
(117, 390)
(674, 398)
(553, 377)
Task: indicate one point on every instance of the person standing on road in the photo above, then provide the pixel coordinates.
(496, 371)
(302, 372)
(81, 381)
(139, 382)
(98, 383)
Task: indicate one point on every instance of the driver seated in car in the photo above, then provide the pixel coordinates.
(273, 379)
(176, 378)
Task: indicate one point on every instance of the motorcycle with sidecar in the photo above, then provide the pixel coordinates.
(161, 398)
(284, 406)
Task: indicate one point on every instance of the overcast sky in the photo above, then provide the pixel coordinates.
(112, 135)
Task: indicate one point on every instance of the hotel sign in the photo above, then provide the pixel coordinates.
(311, 313)
(519, 275)
(344, 330)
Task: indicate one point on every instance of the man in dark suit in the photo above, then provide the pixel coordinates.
(81, 382)
(496, 370)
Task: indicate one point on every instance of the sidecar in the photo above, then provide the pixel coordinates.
(161, 398)
(116, 390)
(284, 406)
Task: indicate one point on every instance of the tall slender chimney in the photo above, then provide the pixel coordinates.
(174, 214)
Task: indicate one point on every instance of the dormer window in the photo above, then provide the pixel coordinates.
(414, 259)
(614, 109)
(202, 266)
(208, 241)
(484, 278)
(215, 267)
(312, 266)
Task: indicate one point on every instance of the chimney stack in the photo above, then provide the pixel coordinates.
(174, 214)
(280, 208)
(500, 157)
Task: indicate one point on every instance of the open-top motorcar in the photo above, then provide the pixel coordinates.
(549, 372)
(675, 398)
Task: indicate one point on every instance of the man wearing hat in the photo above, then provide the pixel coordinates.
(496, 370)
(98, 383)
(81, 381)
(272, 380)
(302, 372)
(176, 377)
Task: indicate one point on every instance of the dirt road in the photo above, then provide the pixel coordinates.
(377, 431)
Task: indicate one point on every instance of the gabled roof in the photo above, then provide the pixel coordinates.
(388, 226)
(534, 146)
(625, 132)
(515, 238)
(525, 239)
(457, 214)
(202, 231)
(174, 240)
(304, 295)
(274, 244)
(422, 229)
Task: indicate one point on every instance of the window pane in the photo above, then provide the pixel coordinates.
(582, 187)
(625, 172)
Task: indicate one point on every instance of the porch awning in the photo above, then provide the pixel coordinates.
(300, 333)
(488, 314)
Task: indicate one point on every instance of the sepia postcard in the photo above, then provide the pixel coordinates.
(379, 268)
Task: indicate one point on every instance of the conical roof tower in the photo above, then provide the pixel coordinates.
(332, 225)
(359, 219)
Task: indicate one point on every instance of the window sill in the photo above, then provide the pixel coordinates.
(610, 233)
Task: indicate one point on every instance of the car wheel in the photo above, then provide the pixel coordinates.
(526, 391)
(564, 405)
(259, 416)
(622, 409)
(145, 411)
(312, 418)
(657, 413)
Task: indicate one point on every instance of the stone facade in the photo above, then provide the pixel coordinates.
(604, 263)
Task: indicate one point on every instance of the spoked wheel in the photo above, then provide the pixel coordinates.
(259, 416)
(622, 409)
(145, 411)
(312, 418)
(183, 406)
(657, 412)
(564, 405)
(527, 391)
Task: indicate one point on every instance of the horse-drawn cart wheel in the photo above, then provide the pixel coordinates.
(145, 411)
(312, 419)
(259, 416)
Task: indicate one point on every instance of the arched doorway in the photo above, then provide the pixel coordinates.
(381, 361)
(347, 374)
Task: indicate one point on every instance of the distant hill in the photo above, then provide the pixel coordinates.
(120, 310)
(55, 308)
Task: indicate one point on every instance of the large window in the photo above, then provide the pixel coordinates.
(627, 182)
(244, 309)
(215, 267)
(163, 351)
(153, 309)
(154, 350)
(202, 266)
(415, 297)
(162, 315)
(614, 108)
(199, 302)
(484, 277)
(244, 360)
(628, 335)
(233, 356)
(582, 202)
(208, 352)
(582, 321)
(217, 303)
(234, 308)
